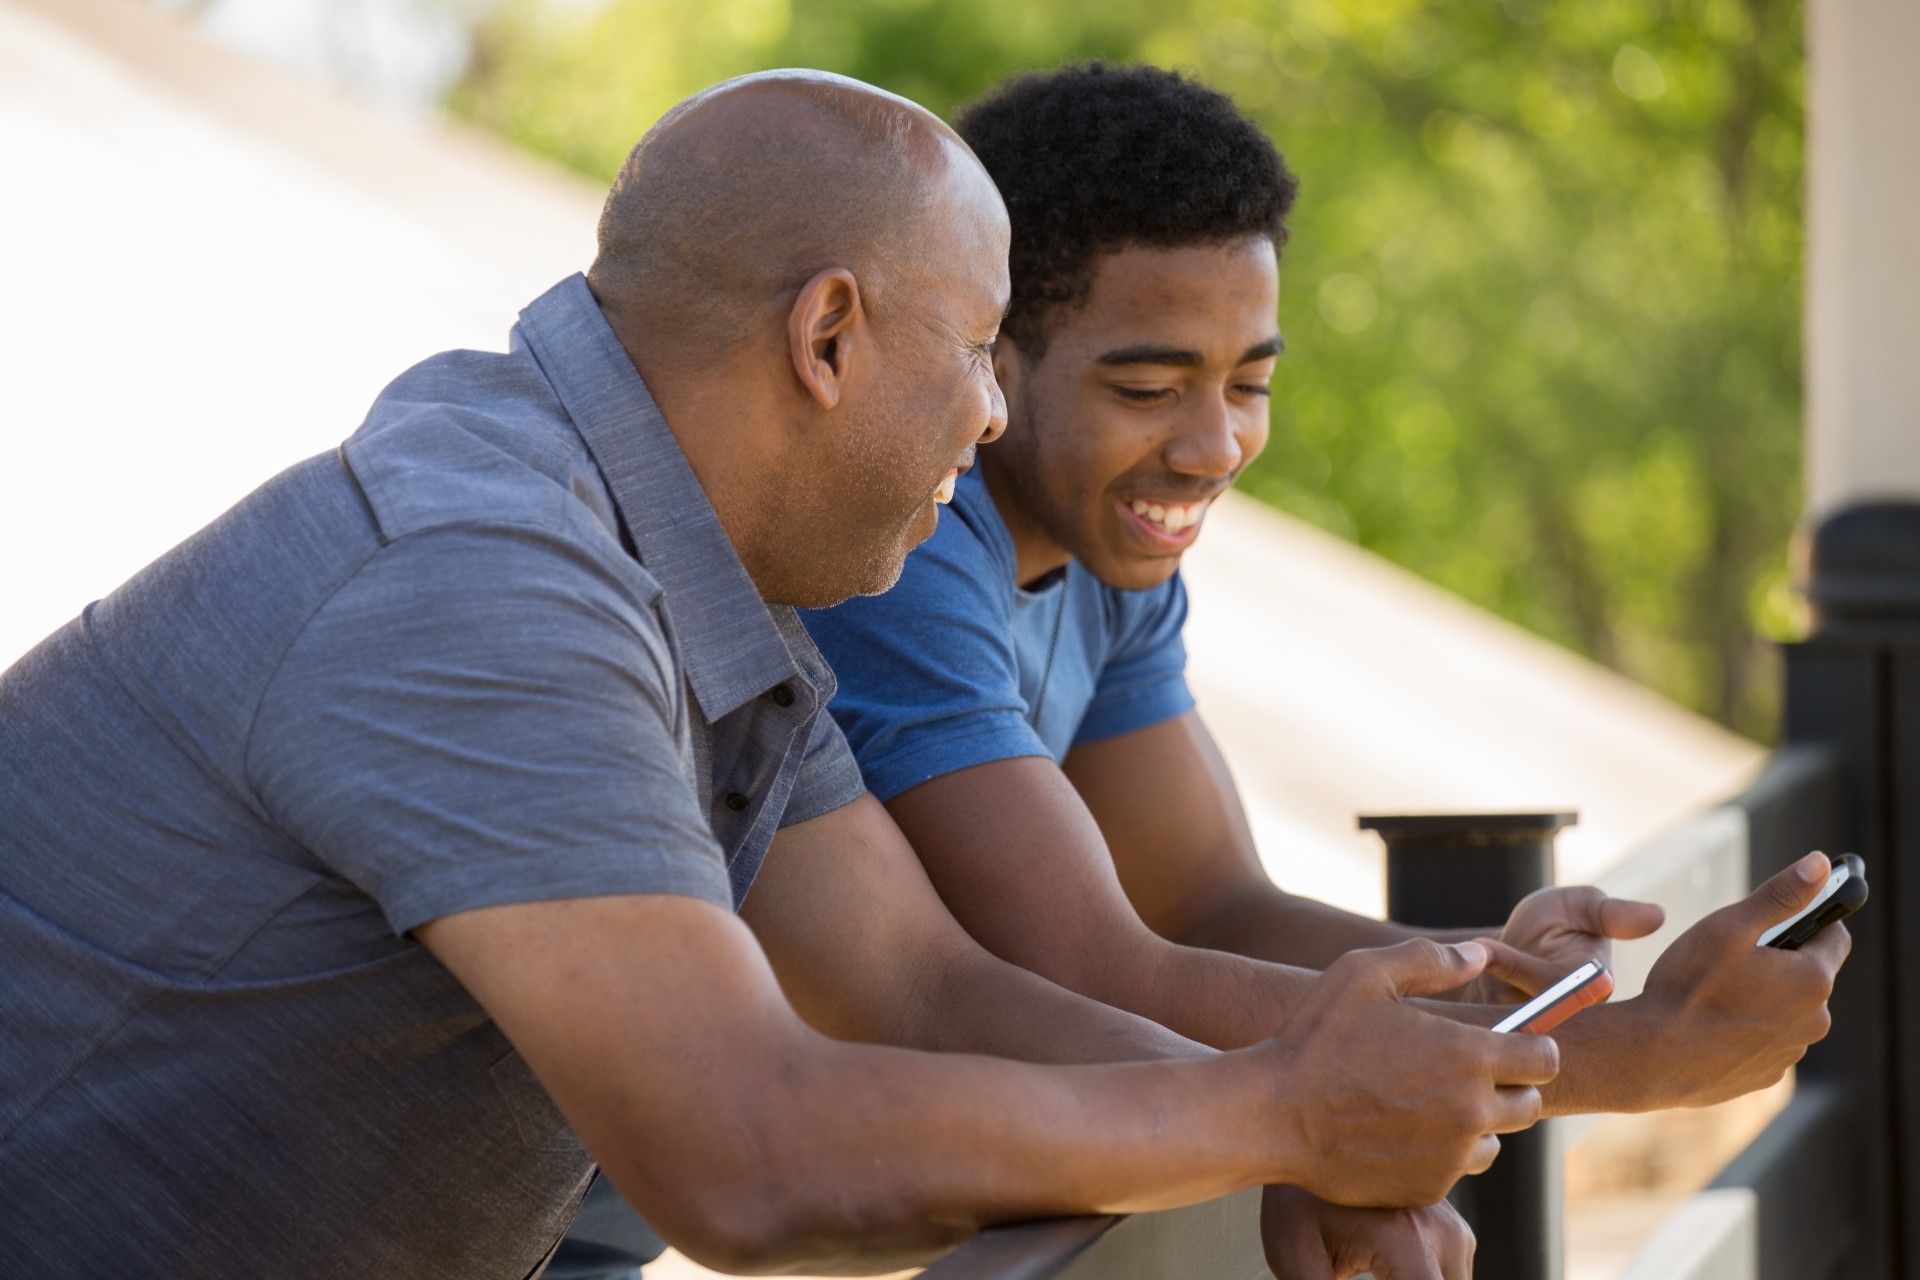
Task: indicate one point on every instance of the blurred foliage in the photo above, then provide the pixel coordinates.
(1542, 297)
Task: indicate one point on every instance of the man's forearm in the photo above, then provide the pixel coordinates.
(1267, 923)
(978, 1003)
(1224, 1000)
(977, 1141)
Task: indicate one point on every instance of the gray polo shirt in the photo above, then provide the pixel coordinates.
(496, 649)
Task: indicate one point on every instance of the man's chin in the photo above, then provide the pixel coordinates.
(874, 575)
(1133, 572)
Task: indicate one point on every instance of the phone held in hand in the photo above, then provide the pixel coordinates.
(1844, 893)
(1589, 984)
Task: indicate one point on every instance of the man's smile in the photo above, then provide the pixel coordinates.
(944, 493)
(1164, 526)
(1167, 517)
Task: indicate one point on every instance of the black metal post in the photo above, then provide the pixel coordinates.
(1853, 689)
(1463, 871)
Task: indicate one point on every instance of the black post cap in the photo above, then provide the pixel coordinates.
(1863, 565)
(1467, 828)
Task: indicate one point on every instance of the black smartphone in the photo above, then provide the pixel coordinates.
(1844, 893)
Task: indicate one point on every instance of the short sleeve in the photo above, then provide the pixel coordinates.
(829, 776)
(1144, 680)
(483, 716)
(929, 683)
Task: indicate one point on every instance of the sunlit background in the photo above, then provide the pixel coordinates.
(1542, 298)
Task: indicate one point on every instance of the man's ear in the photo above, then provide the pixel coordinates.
(823, 330)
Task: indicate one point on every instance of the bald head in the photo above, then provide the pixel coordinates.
(744, 192)
(809, 274)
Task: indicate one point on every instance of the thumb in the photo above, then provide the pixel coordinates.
(1423, 967)
(1290, 1235)
(1623, 918)
(1786, 893)
(1296, 1252)
(1299, 1258)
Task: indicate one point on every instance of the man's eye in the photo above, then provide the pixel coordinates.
(1255, 389)
(1142, 395)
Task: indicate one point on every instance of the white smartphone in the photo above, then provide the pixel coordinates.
(1589, 984)
(1844, 893)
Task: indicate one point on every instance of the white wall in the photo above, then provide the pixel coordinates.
(1863, 251)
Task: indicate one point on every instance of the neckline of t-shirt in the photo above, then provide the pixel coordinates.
(1051, 584)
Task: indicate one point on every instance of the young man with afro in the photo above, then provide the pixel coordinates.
(1018, 701)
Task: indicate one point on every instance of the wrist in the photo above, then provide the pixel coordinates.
(1271, 1116)
(1613, 1058)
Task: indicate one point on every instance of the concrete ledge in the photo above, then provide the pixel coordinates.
(1714, 1236)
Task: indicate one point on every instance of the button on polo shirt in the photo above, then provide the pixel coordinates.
(496, 649)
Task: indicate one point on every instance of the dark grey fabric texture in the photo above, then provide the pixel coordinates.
(495, 649)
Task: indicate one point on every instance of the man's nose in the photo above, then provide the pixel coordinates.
(1206, 444)
(996, 411)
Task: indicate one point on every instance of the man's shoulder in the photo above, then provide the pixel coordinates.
(473, 437)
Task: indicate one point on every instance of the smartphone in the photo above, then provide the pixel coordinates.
(1589, 984)
(1844, 893)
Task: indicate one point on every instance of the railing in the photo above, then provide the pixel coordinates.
(1831, 1187)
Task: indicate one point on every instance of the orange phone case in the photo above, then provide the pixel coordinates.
(1573, 1002)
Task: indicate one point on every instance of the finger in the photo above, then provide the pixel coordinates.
(1783, 895)
(1424, 967)
(1483, 1154)
(1516, 968)
(1830, 947)
(1625, 919)
(1525, 1059)
(1515, 1107)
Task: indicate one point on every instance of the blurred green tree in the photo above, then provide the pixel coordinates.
(1542, 297)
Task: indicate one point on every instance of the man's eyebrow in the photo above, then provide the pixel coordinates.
(1183, 357)
(1264, 350)
(1151, 353)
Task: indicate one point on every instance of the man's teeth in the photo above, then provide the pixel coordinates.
(944, 493)
(1168, 516)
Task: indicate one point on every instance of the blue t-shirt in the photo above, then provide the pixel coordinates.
(958, 665)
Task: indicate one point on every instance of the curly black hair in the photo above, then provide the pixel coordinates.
(1093, 157)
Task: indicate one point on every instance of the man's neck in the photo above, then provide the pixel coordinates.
(1035, 555)
(709, 417)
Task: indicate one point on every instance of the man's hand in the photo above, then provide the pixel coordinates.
(1727, 1017)
(1556, 931)
(1392, 1104)
(1308, 1239)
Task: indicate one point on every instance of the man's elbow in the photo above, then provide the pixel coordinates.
(766, 1223)
(737, 1234)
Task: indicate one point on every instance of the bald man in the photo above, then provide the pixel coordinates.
(369, 864)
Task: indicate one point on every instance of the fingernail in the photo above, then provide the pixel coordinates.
(1471, 952)
(1811, 868)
